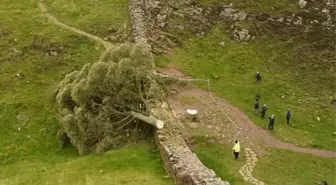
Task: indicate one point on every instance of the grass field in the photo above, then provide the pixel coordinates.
(281, 167)
(94, 16)
(293, 77)
(35, 55)
(131, 165)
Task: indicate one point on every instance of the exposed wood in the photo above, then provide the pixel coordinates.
(150, 120)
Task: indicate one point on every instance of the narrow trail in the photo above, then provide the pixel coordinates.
(247, 169)
(44, 10)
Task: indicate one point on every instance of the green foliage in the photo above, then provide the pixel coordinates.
(94, 102)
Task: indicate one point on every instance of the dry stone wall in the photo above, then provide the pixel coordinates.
(182, 164)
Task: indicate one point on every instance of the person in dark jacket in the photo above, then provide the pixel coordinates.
(257, 97)
(288, 115)
(263, 111)
(323, 183)
(271, 122)
(256, 107)
(258, 77)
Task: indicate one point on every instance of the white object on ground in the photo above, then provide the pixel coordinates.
(192, 112)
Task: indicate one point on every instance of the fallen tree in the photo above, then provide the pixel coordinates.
(101, 101)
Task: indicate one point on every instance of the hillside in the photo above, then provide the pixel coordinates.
(35, 56)
(220, 43)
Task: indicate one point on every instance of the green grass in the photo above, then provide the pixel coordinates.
(94, 16)
(296, 168)
(220, 159)
(131, 165)
(293, 70)
(281, 167)
(28, 114)
(272, 7)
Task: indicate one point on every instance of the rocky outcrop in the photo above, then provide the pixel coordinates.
(179, 160)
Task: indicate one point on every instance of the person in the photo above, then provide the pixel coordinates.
(258, 77)
(236, 149)
(256, 107)
(263, 111)
(288, 115)
(257, 97)
(323, 183)
(271, 122)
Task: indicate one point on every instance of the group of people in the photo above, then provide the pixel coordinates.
(236, 147)
(264, 108)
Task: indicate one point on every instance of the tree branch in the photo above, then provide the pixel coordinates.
(150, 120)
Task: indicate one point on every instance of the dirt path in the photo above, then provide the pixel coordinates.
(106, 44)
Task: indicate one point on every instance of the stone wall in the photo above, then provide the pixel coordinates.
(182, 164)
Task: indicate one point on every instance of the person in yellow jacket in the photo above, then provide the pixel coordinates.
(236, 149)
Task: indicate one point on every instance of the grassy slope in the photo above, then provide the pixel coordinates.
(280, 168)
(30, 155)
(130, 165)
(283, 72)
(94, 16)
(221, 160)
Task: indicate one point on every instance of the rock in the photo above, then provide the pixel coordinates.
(227, 12)
(53, 53)
(318, 118)
(192, 125)
(262, 17)
(153, 4)
(283, 96)
(240, 16)
(162, 138)
(302, 3)
(298, 21)
(181, 27)
(334, 133)
(243, 35)
(19, 129)
(325, 10)
(222, 44)
(281, 19)
(161, 20)
(18, 75)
